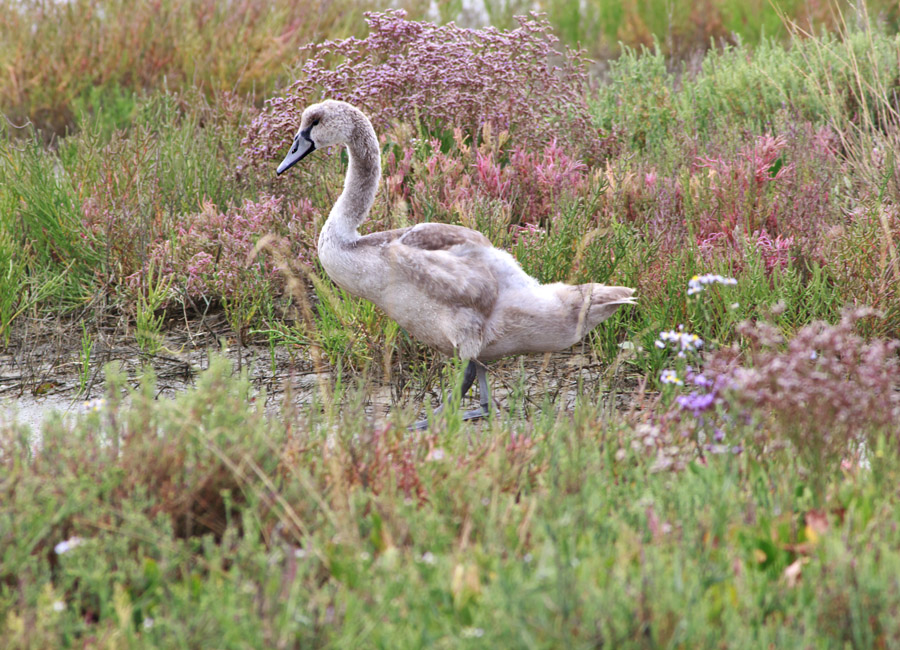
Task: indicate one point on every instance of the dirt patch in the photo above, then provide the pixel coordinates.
(45, 369)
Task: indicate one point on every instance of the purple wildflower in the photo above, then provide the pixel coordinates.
(696, 402)
(441, 77)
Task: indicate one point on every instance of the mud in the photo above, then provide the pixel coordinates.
(51, 373)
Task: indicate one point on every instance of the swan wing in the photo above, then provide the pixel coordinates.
(442, 236)
(448, 263)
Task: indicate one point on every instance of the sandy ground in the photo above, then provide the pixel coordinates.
(45, 375)
(32, 411)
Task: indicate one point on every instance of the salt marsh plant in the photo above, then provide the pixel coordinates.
(14, 297)
(43, 211)
(753, 498)
(152, 294)
(827, 391)
(443, 77)
(350, 530)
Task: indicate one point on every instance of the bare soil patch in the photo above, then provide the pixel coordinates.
(45, 368)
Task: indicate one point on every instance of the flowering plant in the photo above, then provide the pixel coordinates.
(444, 76)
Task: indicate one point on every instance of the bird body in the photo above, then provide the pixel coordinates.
(446, 285)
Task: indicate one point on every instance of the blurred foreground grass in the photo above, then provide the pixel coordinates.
(200, 522)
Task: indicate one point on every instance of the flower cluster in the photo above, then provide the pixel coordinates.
(670, 377)
(94, 406)
(683, 341)
(444, 76)
(67, 545)
(208, 255)
(696, 402)
(701, 404)
(826, 386)
(698, 283)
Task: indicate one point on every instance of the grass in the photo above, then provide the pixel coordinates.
(98, 55)
(679, 27)
(744, 492)
(190, 513)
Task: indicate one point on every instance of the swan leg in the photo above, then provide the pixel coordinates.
(484, 394)
(468, 379)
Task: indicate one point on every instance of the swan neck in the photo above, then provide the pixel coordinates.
(360, 185)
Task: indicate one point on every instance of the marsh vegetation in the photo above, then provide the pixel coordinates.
(716, 467)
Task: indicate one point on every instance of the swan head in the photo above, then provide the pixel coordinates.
(322, 125)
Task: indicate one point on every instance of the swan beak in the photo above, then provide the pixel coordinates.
(299, 150)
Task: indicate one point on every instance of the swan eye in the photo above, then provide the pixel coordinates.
(315, 122)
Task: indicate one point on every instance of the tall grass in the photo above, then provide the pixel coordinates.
(745, 492)
(683, 28)
(173, 521)
(94, 55)
(46, 216)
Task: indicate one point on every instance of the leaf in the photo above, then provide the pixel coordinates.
(776, 167)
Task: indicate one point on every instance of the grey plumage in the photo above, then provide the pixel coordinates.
(446, 285)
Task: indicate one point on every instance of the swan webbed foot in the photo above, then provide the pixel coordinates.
(476, 414)
(473, 369)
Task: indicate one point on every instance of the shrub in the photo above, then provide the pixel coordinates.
(825, 392)
(527, 186)
(209, 254)
(443, 77)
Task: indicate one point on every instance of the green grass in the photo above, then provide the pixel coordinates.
(139, 168)
(206, 521)
(196, 512)
(680, 27)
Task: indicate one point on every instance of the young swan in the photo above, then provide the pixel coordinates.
(445, 285)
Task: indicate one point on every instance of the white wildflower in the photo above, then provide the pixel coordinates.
(67, 545)
(669, 377)
(699, 282)
(683, 341)
(94, 405)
